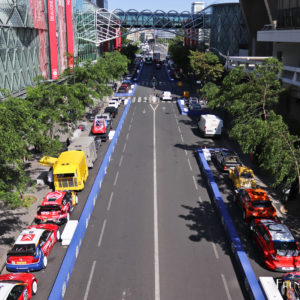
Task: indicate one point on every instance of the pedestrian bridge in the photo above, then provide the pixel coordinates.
(98, 25)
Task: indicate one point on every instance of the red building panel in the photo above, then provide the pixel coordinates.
(70, 40)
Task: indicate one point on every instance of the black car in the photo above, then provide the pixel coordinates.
(195, 106)
(226, 159)
(112, 110)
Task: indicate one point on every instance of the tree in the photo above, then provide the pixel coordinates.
(130, 51)
(116, 64)
(206, 66)
(251, 99)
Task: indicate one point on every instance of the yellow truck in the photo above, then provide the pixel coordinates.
(70, 170)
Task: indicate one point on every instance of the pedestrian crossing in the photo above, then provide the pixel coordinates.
(149, 99)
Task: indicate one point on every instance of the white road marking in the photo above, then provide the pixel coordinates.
(110, 200)
(156, 252)
(195, 182)
(139, 99)
(200, 199)
(116, 178)
(215, 250)
(179, 129)
(127, 135)
(129, 128)
(124, 147)
(121, 160)
(186, 153)
(101, 233)
(89, 281)
(226, 287)
(131, 120)
(133, 99)
(181, 138)
(190, 164)
(145, 99)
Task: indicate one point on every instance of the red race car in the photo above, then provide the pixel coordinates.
(56, 207)
(100, 128)
(32, 248)
(254, 203)
(277, 244)
(19, 286)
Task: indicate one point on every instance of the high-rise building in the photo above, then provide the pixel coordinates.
(102, 3)
(197, 6)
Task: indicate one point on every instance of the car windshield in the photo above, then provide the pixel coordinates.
(283, 248)
(261, 203)
(246, 175)
(27, 249)
(232, 159)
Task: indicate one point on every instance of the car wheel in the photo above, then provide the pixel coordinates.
(45, 262)
(58, 237)
(34, 287)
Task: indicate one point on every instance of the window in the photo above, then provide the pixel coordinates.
(16, 292)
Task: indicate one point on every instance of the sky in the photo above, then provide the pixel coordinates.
(164, 5)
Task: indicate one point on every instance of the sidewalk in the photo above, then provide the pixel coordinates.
(13, 221)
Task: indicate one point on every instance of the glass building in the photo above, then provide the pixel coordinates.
(288, 14)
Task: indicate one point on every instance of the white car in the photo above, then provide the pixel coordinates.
(166, 96)
(113, 103)
(117, 99)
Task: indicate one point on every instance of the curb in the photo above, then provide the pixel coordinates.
(249, 278)
(66, 268)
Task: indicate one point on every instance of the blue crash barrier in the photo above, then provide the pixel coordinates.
(249, 278)
(186, 112)
(140, 71)
(168, 72)
(63, 277)
(182, 110)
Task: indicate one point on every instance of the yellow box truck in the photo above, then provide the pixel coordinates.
(70, 170)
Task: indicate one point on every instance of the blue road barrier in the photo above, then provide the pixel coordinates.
(182, 110)
(249, 278)
(139, 75)
(168, 72)
(63, 277)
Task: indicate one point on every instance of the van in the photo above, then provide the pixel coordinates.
(88, 146)
(210, 125)
(70, 170)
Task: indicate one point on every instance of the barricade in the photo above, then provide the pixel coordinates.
(182, 110)
(249, 278)
(139, 75)
(168, 72)
(63, 277)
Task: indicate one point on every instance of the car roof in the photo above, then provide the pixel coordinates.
(53, 198)
(29, 236)
(5, 289)
(278, 231)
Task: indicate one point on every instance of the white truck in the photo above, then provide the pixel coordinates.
(88, 146)
(166, 96)
(210, 125)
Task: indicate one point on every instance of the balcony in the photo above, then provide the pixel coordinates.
(270, 34)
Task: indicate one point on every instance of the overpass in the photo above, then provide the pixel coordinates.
(98, 25)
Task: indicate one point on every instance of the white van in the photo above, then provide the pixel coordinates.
(88, 146)
(210, 125)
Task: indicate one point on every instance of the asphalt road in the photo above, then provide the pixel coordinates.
(154, 233)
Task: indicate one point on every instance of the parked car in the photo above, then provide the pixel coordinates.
(32, 248)
(166, 96)
(112, 110)
(225, 159)
(290, 286)
(242, 177)
(113, 103)
(56, 207)
(277, 245)
(101, 128)
(254, 203)
(123, 89)
(192, 100)
(108, 118)
(18, 286)
(195, 107)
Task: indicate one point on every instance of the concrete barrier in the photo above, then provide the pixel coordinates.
(182, 110)
(63, 276)
(168, 72)
(249, 278)
(140, 71)
(68, 232)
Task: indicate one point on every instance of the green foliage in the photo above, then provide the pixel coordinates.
(206, 66)
(130, 51)
(252, 98)
(179, 53)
